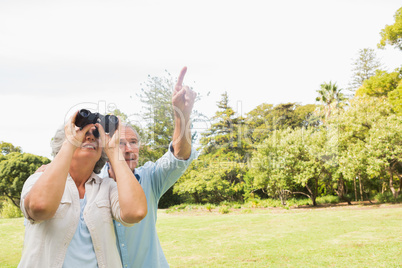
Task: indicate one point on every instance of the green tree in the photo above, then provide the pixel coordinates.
(381, 84)
(385, 84)
(7, 148)
(14, 171)
(218, 173)
(272, 166)
(395, 98)
(266, 118)
(354, 126)
(364, 67)
(289, 160)
(385, 149)
(158, 114)
(331, 98)
(392, 34)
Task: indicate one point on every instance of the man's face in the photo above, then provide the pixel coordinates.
(130, 147)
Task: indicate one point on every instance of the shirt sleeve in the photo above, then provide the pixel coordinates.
(115, 205)
(25, 191)
(167, 170)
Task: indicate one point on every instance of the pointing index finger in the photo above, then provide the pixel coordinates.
(181, 76)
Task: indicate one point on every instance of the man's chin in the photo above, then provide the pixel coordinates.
(131, 164)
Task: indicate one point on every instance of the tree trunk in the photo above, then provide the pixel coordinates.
(196, 198)
(282, 197)
(342, 191)
(361, 188)
(384, 187)
(312, 196)
(354, 183)
(316, 190)
(391, 183)
(16, 203)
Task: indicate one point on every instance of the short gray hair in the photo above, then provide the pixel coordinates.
(57, 142)
(131, 127)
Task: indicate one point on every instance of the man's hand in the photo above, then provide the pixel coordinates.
(183, 98)
(42, 168)
(183, 102)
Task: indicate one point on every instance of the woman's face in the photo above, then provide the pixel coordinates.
(90, 147)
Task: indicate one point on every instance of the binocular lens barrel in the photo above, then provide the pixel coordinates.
(82, 118)
(108, 122)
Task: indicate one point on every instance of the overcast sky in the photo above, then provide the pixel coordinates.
(59, 56)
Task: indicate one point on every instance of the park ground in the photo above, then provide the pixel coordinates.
(358, 235)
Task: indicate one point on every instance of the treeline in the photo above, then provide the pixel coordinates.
(349, 147)
(347, 144)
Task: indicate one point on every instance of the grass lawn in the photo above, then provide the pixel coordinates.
(11, 239)
(369, 236)
(353, 236)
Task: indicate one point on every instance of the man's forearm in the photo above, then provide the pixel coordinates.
(182, 138)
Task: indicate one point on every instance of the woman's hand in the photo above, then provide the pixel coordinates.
(110, 144)
(74, 135)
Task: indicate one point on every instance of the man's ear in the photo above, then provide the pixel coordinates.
(111, 172)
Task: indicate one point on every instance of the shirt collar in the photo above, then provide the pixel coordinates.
(137, 176)
(135, 173)
(94, 177)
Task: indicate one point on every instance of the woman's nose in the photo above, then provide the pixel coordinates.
(91, 133)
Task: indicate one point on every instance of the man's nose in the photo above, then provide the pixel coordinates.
(128, 147)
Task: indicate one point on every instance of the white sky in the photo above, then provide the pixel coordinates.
(59, 56)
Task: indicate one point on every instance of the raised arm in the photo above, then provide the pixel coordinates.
(44, 198)
(132, 200)
(183, 101)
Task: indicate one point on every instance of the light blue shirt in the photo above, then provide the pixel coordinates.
(80, 252)
(139, 245)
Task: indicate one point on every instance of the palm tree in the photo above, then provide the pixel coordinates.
(331, 97)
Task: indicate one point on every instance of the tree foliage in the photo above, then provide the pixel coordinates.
(331, 98)
(158, 114)
(364, 67)
(15, 168)
(392, 34)
(385, 151)
(7, 148)
(266, 118)
(381, 84)
(395, 98)
(354, 127)
(217, 175)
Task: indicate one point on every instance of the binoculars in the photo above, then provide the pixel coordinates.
(109, 122)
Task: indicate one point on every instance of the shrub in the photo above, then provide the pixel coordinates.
(236, 206)
(209, 207)
(223, 210)
(252, 203)
(328, 199)
(387, 197)
(9, 210)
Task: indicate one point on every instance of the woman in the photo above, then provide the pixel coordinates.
(70, 209)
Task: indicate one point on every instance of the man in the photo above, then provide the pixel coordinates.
(139, 245)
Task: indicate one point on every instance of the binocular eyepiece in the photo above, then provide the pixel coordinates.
(109, 122)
